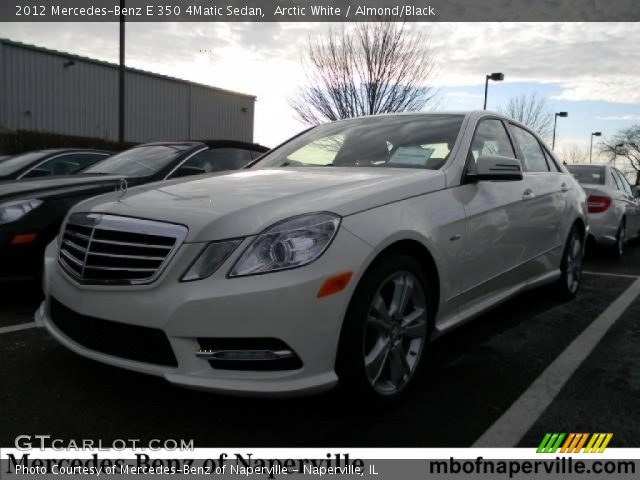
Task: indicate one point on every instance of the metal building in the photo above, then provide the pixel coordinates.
(49, 91)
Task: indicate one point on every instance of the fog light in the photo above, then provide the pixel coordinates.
(244, 355)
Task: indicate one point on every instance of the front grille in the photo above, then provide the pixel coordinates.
(142, 344)
(109, 249)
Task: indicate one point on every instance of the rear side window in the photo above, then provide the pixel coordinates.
(553, 165)
(491, 138)
(624, 182)
(532, 154)
(616, 181)
(65, 164)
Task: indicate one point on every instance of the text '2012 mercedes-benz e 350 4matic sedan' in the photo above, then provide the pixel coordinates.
(336, 258)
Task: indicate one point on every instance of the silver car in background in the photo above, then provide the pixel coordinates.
(614, 208)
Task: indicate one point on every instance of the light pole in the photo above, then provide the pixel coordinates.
(555, 122)
(121, 71)
(615, 152)
(594, 134)
(496, 77)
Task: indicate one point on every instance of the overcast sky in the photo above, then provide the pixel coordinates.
(590, 70)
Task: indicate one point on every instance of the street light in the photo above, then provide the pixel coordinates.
(121, 84)
(496, 77)
(594, 134)
(615, 152)
(555, 121)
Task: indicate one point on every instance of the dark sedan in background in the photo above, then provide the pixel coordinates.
(32, 210)
(44, 163)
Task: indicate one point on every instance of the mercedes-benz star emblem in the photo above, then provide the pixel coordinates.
(122, 187)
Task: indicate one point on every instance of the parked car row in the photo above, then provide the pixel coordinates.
(32, 209)
(333, 259)
(45, 163)
(613, 204)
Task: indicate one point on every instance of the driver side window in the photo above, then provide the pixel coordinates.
(490, 138)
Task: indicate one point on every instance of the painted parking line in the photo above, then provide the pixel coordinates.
(17, 328)
(509, 429)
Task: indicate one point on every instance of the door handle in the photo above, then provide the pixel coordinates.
(528, 194)
(564, 188)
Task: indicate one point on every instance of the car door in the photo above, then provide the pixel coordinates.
(632, 209)
(495, 240)
(544, 197)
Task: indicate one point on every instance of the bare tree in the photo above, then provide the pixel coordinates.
(573, 153)
(374, 68)
(532, 110)
(629, 139)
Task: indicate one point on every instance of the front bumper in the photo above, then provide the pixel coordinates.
(281, 305)
(18, 262)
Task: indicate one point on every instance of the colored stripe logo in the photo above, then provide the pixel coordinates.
(574, 442)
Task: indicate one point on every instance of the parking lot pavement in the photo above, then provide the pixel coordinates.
(474, 375)
(18, 302)
(629, 264)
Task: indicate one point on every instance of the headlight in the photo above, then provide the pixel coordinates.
(210, 259)
(292, 243)
(12, 211)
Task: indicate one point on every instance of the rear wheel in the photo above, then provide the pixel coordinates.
(571, 266)
(618, 249)
(386, 331)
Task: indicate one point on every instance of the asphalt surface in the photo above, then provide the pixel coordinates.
(473, 377)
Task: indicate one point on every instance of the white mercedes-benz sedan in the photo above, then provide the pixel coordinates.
(613, 205)
(335, 259)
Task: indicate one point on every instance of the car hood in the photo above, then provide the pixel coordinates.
(53, 186)
(242, 203)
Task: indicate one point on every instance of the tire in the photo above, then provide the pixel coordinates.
(571, 266)
(384, 338)
(617, 250)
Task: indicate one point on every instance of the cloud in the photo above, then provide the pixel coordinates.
(587, 61)
(463, 95)
(619, 118)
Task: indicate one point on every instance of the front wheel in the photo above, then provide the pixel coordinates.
(571, 266)
(386, 332)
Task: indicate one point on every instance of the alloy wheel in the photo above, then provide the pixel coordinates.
(620, 244)
(395, 332)
(574, 263)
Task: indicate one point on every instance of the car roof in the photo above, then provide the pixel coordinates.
(469, 114)
(52, 151)
(234, 144)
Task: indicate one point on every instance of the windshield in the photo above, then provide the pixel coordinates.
(403, 141)
(138, 161)
(11, 165)
(587, 174)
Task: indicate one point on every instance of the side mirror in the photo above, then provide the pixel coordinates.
(496, 168)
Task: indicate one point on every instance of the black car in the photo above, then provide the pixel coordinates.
(43, 163)
(32, 210)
